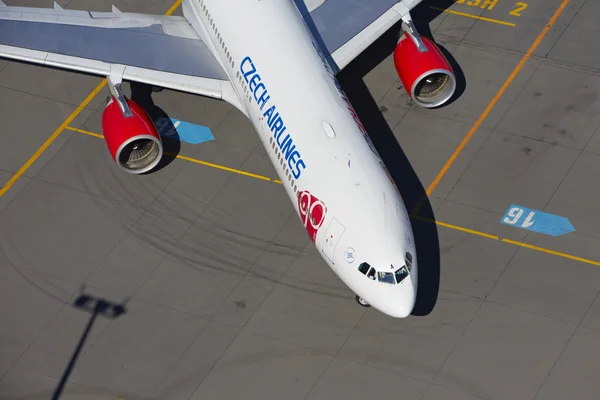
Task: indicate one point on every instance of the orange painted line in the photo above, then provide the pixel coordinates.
(173, 8)
(492, 104)
(64, 125)
(51, 139)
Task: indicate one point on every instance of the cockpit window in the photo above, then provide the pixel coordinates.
(386, 277)
(401, 274)
(409, 260)
(371, 273)
(363, 268)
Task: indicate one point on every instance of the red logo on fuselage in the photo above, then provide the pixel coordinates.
(312, 213)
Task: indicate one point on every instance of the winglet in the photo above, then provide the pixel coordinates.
(115, 10)
(57, 6)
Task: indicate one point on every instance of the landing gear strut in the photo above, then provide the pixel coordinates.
(362, 302)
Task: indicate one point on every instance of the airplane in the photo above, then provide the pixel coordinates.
(276, 61)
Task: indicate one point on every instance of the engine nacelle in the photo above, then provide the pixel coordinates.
(427, 77)
(133, 141)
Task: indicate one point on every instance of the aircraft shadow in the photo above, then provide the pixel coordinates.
(405, 177)
(141, 93)
(422, 15)
(427, 11)
(407, 181)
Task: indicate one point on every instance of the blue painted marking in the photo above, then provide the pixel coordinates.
(187, 132)
(537, 221)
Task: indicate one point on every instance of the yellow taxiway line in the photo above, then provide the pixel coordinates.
(510, 241)
(443, 224)
(462, 14)
(51, 139)
(90, 97)
(190, 159)
(64, 125)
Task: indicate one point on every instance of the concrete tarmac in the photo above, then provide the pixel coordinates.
(224, 295)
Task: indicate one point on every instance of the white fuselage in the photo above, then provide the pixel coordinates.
(334, 177)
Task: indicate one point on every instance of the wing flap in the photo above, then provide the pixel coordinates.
(114, 19)
(216, 88)
(159, 50)
(146, 47)
(345, 28)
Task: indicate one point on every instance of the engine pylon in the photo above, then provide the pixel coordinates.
(132, 138)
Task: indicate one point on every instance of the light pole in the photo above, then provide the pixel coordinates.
(95, 306)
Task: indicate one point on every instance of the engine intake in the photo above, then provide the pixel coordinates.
(133, 141)
(427, 77)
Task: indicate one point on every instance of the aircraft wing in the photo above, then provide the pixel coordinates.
(345, 28)
(158, 50)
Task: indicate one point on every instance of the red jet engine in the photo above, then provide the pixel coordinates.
(131, 137)
(426, 74)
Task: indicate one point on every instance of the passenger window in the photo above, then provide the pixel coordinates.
(364, 268)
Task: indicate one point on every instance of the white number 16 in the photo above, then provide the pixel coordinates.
(515, 213)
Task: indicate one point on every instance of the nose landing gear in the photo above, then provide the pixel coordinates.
(362, 302)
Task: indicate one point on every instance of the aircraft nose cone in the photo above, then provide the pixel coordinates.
(403, 302)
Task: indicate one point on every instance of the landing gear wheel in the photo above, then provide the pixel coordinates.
(362, 302)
